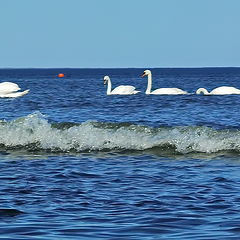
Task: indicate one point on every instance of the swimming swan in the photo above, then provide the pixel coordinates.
(10, 90)
(219, 91)
(120, 90)
(160, 91)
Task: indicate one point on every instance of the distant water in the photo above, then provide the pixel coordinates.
(78, 164)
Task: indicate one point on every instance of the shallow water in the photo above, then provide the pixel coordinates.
(77, 164)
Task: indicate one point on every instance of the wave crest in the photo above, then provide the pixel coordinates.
(34, 132)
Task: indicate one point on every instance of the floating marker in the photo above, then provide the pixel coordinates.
(61, 75)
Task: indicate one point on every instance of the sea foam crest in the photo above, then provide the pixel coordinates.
(35, 132)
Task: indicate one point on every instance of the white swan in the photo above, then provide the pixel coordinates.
(10, 90)
(160, 91)
(219, 91)
(120, 90)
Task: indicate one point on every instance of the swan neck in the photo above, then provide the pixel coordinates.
(109, 87)
(202, 90)
(149, 85)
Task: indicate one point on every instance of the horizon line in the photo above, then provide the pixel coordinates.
(1, 68)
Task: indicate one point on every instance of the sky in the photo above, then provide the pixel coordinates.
(119, 33)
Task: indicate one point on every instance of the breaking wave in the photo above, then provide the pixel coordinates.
(35, 133)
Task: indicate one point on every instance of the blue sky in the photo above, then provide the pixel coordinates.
(119, 33)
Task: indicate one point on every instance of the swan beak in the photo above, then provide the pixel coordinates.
(143, 75)
(104, 82)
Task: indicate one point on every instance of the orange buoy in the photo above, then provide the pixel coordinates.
(61, 75)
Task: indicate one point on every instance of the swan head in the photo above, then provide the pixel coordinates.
(145, 73)
(106, 79)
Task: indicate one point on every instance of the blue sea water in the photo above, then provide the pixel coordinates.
(78, 164)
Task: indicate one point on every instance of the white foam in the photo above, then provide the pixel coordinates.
(35, 131)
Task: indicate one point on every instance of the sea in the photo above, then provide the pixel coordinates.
(76, 163)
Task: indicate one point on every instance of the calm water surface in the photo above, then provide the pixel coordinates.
(77, 164)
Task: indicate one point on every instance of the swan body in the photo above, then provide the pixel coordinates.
(120, 90)
(219, 91)
(7, 87)
(14, 94)
(10, 90)
(160, 91)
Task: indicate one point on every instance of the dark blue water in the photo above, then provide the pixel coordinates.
(78, 164)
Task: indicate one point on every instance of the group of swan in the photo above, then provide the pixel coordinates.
(129, 90)
(11, 90)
